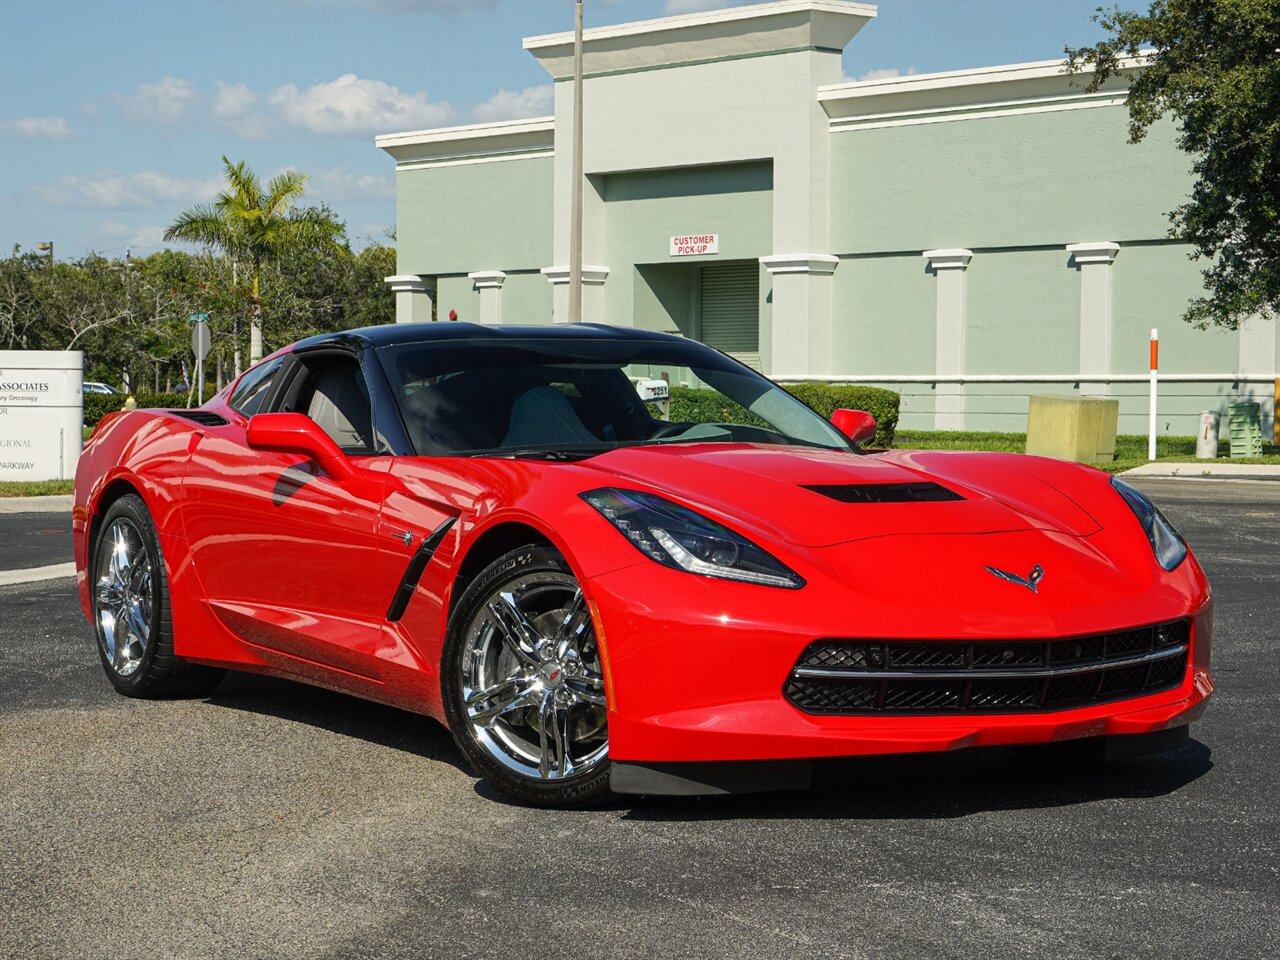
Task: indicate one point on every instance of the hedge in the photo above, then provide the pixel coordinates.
(691, 405)
(98, 405)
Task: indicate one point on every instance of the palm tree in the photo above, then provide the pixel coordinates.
(256, 226)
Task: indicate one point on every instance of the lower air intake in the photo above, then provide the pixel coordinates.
(859, 677)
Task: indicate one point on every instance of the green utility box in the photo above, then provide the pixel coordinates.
(1245, 420)
(1073, 428)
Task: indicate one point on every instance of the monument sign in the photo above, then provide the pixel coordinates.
(41, 414)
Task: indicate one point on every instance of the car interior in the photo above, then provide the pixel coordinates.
(333, 392)
(523, 406)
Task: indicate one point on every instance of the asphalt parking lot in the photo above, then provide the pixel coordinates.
(275, 820)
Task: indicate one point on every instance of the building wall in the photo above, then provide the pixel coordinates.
(525, 294)
(455, 218)
(1016, 189)
(884, 315)
(644, 209)
(766, 148)
(1048, 178)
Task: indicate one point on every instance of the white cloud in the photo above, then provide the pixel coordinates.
(232, 100)
(148, 236)
(39, 128)
(516, 104)
(886, 73)
(674, 7)
(350, 105)
(340, 183)
(233, 110)
(164, 103)
(110, 190)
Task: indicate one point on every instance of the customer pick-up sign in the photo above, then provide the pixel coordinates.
(695, 244)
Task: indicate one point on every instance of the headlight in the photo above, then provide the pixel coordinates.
(677, 537)
(1169, 547)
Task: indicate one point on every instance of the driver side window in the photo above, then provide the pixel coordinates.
(336, 397)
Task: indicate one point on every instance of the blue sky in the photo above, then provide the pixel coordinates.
(114, 113)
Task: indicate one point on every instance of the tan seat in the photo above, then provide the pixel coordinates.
(340, 407)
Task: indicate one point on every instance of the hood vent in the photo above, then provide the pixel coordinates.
(206, 418)
(926, 492)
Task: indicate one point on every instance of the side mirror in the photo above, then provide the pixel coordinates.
(858, 425)
(295, 433)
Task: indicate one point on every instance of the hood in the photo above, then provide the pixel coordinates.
(772, 489)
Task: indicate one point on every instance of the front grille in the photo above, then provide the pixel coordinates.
(861, 677)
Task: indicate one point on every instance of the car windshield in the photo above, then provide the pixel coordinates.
(566, 398)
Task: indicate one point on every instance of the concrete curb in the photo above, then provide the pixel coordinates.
(1207, 469)
(57, 504)
(53, 572)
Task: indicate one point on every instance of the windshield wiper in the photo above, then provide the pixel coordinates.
(546, 453)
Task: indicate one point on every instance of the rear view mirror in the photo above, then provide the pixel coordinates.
(295, 433)
(858, 425)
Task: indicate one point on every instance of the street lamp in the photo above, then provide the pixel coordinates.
(46, 246)
(575, 195)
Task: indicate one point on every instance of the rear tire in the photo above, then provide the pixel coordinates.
(523, 685)
(130, 601)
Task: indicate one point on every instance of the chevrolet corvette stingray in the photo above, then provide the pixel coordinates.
(615, 560)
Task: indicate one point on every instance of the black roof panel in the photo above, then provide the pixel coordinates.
(390, 334)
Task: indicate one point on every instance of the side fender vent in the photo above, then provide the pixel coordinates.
(926, 492)
(206, 418)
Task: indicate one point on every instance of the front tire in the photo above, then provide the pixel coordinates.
(523, 684)
(131, 609)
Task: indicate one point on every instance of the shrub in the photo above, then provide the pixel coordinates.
(98, 405)
(827, 398)
(692, 405)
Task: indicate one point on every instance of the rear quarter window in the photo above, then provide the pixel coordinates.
(253, 388)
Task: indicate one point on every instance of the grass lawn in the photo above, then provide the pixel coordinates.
(34, 488)
(1131, 449)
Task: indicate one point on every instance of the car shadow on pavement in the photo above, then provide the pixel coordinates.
(926, 786)
(941, 786)
(338, 713)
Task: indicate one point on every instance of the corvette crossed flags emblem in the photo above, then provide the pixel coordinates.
(1031, 582)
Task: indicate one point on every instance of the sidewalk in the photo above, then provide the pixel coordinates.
(55, 504)
(1207, 469)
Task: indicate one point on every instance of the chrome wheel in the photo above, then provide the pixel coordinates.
(124, 598)
(533, 689)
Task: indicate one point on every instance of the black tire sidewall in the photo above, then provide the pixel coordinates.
(586, 790)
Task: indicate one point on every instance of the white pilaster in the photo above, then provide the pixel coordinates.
(593, 279)
(1094, 260)
(1259, 356)
(414, 297)
(802, 288)
(488, 283)
(949, 265)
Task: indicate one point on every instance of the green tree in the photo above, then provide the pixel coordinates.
(258, 226)
(1215, 66)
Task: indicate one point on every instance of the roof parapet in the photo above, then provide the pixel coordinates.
(476, 141)
(781, 26)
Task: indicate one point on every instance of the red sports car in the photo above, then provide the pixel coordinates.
(614, 560)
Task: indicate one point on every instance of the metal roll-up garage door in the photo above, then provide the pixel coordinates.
(730, 309)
